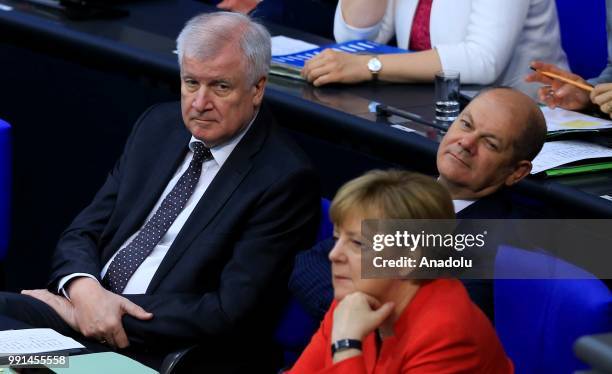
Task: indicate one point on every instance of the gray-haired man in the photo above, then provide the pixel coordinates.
(191, 237)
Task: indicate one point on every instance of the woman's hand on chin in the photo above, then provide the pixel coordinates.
(357, 315)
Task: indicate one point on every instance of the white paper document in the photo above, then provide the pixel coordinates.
(282, 45)
(34, 341)
(562, 152)
(565, 120)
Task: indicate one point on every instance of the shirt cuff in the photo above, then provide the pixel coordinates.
(604, 77)
(68, 278)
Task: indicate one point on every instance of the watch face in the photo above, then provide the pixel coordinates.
(374, 65)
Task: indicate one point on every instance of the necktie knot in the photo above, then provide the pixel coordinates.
(200, 152)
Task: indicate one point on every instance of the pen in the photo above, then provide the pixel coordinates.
(386, 110)
(583, 86)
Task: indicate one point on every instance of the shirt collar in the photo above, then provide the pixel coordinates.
(222, 152)
(462, 204)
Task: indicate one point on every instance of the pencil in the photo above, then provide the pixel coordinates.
(583, 86)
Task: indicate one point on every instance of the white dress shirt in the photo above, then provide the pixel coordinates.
(141, 278)
(462, 204)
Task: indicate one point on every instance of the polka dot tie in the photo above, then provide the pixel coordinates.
(131, 257)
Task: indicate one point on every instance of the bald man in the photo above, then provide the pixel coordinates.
(490, 146)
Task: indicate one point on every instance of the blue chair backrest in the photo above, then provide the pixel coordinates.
(296, 326)
(538, 320)
(326, 228)
(5, 185)
(583, 35)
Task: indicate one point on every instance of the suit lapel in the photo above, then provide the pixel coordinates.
(229, 177)
(148, 193)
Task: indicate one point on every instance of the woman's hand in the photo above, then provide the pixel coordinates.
(602, 96)
(331, 66)
(557, 93)
(357, 315)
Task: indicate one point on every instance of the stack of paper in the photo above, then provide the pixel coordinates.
(34, 341)
(561, 121)
(563, 152)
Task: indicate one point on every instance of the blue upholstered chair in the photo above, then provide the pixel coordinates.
(296, 325)
(326, 228)
(583, 35)
(5, 185)
(538, 320)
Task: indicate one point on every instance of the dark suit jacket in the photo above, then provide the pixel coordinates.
(222, 275)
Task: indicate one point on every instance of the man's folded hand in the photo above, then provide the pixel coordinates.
(98, 312)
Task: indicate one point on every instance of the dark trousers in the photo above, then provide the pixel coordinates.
(27, 312)
(22, 312)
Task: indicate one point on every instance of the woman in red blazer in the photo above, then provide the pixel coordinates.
(396, 325)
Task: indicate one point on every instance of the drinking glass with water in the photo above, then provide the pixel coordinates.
(447, 96)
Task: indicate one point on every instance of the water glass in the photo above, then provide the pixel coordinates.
(447, 96)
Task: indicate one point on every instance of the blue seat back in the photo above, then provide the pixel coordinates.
(583, 35)
(538, 320)
(5, 185)
(296, 326)
(326, 228)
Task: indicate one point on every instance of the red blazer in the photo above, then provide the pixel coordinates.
(440, 331)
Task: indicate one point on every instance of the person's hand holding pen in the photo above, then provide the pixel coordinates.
(557, 93)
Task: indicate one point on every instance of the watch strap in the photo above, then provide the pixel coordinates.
(344, 344)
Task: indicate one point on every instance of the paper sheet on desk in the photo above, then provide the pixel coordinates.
(562, 152)
(565, 120)
(282, 45)
(34, 341)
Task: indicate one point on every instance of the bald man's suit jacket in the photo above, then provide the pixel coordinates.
(224, 272)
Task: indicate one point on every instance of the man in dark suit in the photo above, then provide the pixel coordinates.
(488, 148)
(191, 238)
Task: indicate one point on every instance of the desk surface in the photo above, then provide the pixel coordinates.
(144, 41)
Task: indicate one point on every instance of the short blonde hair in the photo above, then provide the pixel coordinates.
(392, 194)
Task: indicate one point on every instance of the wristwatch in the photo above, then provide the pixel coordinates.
(374, 66)
(344, 344)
